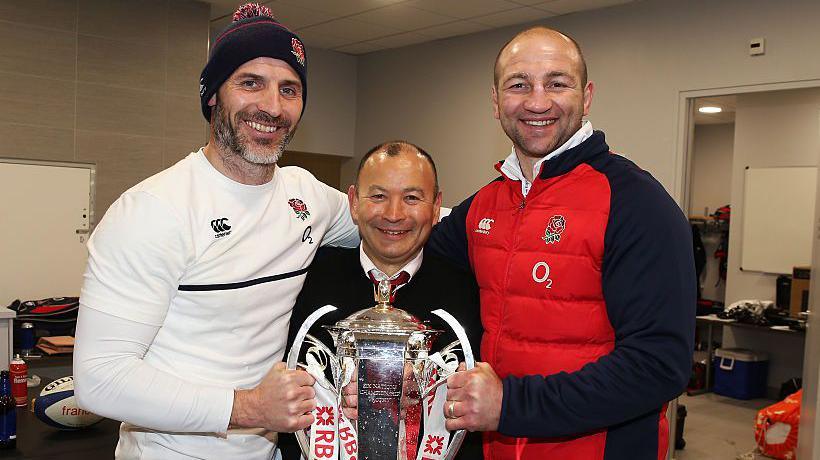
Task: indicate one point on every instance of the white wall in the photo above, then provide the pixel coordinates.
(711, 188)
(778, 128)
(640, 55)
(711, 167)
(328, 125)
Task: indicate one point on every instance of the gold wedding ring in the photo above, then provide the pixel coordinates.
(452, 409)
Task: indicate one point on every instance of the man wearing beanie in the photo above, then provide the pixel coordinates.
(192, 273)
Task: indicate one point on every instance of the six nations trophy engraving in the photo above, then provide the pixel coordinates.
(386, 353)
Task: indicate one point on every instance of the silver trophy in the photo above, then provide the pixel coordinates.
(388, 352)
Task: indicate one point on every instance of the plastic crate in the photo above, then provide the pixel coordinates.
(740, 373)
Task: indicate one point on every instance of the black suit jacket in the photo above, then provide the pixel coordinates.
(336, 277)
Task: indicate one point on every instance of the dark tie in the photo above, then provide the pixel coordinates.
(402, 278)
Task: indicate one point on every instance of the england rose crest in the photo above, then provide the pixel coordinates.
(299, 207)
(554, 229)
(298, 50)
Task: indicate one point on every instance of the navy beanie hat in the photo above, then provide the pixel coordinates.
(253, 33)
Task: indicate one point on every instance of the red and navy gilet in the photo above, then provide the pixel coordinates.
(588, 296)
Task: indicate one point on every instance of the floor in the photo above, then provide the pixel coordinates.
(719, 428)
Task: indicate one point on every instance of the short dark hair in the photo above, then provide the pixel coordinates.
(525, 31)
(392, 149)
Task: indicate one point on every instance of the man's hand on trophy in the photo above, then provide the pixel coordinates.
(473, 399)
(283, 401)
(350, 398)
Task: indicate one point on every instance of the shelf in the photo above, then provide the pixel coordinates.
(709, 225)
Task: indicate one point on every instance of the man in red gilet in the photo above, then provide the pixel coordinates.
(586, 276)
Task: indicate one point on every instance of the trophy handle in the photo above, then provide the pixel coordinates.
(293, 358)
(469, 361)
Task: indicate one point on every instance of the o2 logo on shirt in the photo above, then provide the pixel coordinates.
(306, 235)
(541, 274)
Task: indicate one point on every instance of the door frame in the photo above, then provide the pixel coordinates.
(682, 193)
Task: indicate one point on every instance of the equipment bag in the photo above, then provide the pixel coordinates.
(776, 428)
(52, 316)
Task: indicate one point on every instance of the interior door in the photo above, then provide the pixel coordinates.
(809, 428)
(46, 216)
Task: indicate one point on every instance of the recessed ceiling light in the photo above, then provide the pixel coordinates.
(710, 109)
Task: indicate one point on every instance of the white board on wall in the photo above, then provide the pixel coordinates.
(778, 218)
(46, 210)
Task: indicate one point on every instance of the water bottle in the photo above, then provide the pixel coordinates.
(8, 413)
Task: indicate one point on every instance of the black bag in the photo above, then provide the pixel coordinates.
(52, 316)
(789, 387)
(700, 255)
(680, 420)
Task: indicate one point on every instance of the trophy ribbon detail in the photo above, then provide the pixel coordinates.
(324, 442)
(347, 439)
(436, 437)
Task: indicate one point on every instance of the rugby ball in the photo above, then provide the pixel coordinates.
(57, 407)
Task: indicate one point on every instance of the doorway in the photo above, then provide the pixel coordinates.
(773, 144)
(326, 168)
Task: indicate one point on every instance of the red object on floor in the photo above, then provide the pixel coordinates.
(776, 428)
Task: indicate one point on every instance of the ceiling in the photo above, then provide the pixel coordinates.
(363, 26)
(727, 103)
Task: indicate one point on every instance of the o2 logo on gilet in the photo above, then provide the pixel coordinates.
(541, 274)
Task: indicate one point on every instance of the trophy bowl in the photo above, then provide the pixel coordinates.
(384, 356)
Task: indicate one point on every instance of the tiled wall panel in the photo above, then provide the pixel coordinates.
(108, 61)
(122, 160)
(140, 21)
(34, 50)
(36, 142)
(51, 14)
(120, 110)
(39, 101)
(112, 82)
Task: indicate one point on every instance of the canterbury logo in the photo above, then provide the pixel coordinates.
(221, 227)
(484, 226)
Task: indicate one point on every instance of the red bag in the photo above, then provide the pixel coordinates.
(776, 428)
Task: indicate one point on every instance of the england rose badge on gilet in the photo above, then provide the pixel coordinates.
(555, 227)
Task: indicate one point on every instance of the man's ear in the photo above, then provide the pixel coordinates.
(437, 208)
(494, 98)
(353, 202)
(212, 101)
(589, 90)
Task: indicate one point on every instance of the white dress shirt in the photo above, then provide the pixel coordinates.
(512, 169)
(369, 267)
